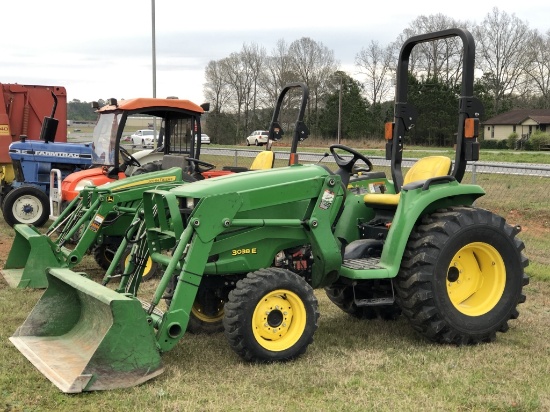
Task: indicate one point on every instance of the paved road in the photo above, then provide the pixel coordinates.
(527, 169)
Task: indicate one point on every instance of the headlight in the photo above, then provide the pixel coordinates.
(82, 184)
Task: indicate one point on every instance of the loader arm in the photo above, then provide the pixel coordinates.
(233, 237)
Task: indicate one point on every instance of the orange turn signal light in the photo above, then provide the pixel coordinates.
(471, 128)
(388, 131)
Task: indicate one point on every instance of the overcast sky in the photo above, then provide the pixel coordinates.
(101, 49)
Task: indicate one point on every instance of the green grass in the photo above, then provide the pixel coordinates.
(353, 365)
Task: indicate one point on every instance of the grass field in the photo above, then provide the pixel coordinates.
(353, 365)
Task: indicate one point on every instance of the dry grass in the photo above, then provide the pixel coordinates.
(353, 366)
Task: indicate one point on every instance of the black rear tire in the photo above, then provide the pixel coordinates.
(27, 205)
(104, 254)
(462, 276)
(271, 315)
(343, 297)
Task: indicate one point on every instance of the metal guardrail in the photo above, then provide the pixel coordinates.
(522, 169)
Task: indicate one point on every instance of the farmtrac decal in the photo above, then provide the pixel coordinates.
(47, 153)
(57, 154)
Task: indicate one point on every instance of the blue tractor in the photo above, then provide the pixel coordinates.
(27, 201)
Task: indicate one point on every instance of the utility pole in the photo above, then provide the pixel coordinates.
(340, 110)
(154, 49)
(153, 36)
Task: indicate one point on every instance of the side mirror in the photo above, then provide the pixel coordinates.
(205, 107)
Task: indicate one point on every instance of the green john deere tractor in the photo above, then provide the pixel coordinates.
(415, 244)
(98, 219)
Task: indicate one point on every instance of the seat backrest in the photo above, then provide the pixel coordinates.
(169, 161)
(428, 167)
(425, 168)
(264, 160)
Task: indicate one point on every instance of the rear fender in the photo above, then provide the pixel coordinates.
(415, 203)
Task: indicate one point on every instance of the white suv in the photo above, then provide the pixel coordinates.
(257, 137)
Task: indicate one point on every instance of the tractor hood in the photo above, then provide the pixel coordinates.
(39, 151)
(240, 182)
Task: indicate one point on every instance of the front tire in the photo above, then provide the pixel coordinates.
(26, 204)
(104, 254)
(150, 269)
(462, 276)
(207, 313)
(271, 315)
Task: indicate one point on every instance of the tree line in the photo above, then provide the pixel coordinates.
(512, 70)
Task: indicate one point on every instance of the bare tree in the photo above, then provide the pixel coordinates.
(238, 76)
(538, 71)
(377, 64)
(314, 63)
(277, 72)
(253, 58)
(216, 88)
(502, 40)
(440, 59)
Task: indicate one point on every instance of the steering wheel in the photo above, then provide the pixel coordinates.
(128, 159)
(196, 165)
(348, 165)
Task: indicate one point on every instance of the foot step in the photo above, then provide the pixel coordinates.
(367, 263)
(375, 302)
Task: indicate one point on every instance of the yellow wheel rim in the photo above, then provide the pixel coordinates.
(198, 311)
(476, 278)
(279, 320)
(148, 265)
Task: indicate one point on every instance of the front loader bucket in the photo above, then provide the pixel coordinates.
(83, 336)
(31, 253)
